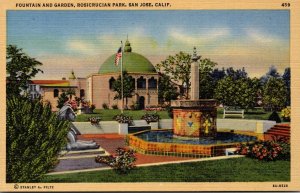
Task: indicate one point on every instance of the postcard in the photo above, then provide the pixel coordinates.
(149, 95)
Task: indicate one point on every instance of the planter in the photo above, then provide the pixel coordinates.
(123, 128)
(154, 125)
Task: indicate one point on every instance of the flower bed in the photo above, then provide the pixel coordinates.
(122, 162)
(150, 117)
(266, 150)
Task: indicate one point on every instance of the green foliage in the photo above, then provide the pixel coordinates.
(274, 117)
(266, 150)
(65, 96)
(20, 68)
(122, 162)
(150, 117)
(287, 80)
(34, 137)
(286, 114)
(121, 118)
(208, 78)
(274, 94)
(240, 93)
(236, 74)
(128, 87)
(178, 69)
(167, 91)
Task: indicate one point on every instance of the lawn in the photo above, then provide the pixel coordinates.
(108, 114)
(229, 170)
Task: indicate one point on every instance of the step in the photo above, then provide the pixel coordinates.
(278, 131)
(281, 128)
(281, 134)
(82, 154)
(270, 137)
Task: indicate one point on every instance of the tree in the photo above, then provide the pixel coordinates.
(208, 82)
(178, 69)
(128, 87)
(274, 94)
(64, 97)
(240, 93)
(287, 80)
(205, 79)
(236, 74)
(34, 137)
(271, 73)
(20, 68)
(166, 90)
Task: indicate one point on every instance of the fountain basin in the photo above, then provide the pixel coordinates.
(164, 142)
(195, 118)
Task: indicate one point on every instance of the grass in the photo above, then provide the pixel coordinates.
(257, 114)
(108, 114)
(229, 170)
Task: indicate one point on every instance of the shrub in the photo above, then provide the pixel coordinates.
(135, 106)
(115, 106)
(170, 111)
(274, 117)
(94, 120)
(122, 162)
(150, 117)
(121, 118)
(286, 114)
(34, 138)
(266, 150)
(105, 106)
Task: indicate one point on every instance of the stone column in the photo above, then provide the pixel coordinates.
(194, 92)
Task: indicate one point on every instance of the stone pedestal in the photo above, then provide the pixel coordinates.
(154, 125)
(123, 128)
(194, 81)
(195, 118)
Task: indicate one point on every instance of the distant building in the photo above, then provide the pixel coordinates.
(97, 88)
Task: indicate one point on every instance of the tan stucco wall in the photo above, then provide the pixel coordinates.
(102, 94)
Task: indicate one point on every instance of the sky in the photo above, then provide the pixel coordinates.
(83, 40)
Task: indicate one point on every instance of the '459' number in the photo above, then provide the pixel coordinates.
(285, 4)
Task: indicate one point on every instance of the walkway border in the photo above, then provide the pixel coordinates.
(151, 164)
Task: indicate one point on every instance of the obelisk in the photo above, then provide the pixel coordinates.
(195, 76)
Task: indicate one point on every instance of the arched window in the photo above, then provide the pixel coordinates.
(133, 82)
(141, 82)
(55, 93)
(111, 82)
(152, 83)
(82, 93)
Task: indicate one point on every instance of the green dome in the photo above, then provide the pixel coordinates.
(132, 62)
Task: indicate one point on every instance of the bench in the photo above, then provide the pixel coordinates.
(233, 113)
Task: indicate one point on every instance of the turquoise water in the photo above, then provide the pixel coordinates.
(168, 137)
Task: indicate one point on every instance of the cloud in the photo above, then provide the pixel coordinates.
(261, 37)
(202, 37)
(79, 45)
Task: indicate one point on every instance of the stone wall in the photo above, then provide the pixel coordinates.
(257, 126)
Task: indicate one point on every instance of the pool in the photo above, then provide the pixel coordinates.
(169, 137)
(164, 142)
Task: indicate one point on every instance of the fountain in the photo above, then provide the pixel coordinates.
(194, 130)
(195, 117)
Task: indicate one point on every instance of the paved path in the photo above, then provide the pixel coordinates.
(110, 142)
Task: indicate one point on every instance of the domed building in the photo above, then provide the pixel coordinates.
(99, 86)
